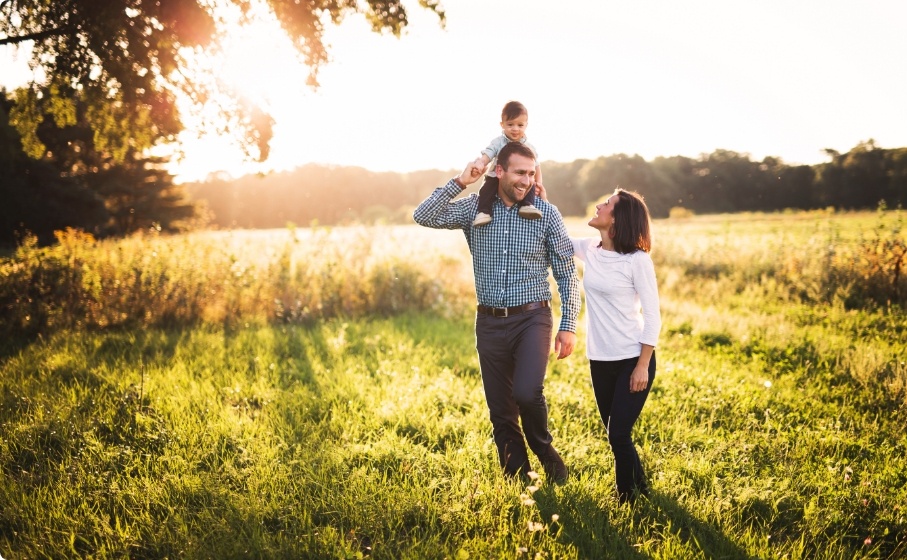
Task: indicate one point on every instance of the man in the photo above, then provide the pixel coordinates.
(511, 257)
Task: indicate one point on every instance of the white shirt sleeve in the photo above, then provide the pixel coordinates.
(647, 288)
(581, 247)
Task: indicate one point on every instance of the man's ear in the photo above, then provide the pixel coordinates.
(498, 169)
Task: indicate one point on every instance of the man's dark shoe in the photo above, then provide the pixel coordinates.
(555, 469)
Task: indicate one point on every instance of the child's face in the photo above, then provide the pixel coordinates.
(514, 129)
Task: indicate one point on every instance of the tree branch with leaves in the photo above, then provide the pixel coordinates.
(127, 60)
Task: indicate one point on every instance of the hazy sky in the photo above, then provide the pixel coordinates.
(648, 77)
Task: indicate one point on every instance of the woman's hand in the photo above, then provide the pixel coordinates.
(639, 379)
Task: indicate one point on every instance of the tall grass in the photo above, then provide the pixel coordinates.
(292, 276)
(300, 276)
(858, 260)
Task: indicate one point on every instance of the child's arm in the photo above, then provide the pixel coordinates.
(539, 187)
(482, 161)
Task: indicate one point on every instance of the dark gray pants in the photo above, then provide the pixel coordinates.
(513, 355)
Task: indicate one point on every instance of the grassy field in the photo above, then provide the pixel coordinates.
(316, 394)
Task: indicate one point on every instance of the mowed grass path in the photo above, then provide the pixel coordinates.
(775, 429)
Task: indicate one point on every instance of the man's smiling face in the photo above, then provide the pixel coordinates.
(515, 181)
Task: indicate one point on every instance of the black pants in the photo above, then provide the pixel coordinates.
(619, 409)
(490, 189)
(513, 355)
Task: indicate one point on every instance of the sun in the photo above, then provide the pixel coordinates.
(259, 60)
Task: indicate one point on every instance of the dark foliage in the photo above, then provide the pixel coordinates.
(74, 185)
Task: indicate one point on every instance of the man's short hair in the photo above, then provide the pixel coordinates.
(511, 148)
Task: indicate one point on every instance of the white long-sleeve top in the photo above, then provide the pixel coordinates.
(622, 309)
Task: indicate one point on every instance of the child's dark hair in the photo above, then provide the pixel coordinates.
(631, 225)
(512, 110)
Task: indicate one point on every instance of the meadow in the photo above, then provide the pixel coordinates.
(315, 393)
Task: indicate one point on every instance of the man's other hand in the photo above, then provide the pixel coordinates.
(564, 343)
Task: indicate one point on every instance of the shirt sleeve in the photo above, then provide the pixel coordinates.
(647, 288)
(580, 247)
(440, 212)
(563, 267)
(495, 146)
(534, 151)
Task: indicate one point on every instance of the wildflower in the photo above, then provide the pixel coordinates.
(767, 384)
(532, 475)
(868, 541)
(533, 526)
(532, 489)
(522, 550)
(555, 517)
(526, 500)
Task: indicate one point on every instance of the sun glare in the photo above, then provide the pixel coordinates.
(258, 61)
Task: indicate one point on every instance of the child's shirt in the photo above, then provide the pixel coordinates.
(495, 147)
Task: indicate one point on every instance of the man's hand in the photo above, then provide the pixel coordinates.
(564, 343)
(471, 174)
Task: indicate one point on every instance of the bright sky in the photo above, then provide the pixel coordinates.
(599, 77)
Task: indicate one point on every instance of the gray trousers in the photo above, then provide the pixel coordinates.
(513, 356)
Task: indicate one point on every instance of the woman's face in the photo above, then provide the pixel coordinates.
(604, 213)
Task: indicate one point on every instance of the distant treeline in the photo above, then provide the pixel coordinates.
(723, 181)
(75, 184)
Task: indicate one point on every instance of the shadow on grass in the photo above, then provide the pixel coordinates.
(597, 531)
(695, 533)
(585, 523)
(13, 345)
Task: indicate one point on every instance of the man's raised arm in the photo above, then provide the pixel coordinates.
(436, 211)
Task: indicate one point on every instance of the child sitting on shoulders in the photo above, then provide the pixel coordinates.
(514, 121)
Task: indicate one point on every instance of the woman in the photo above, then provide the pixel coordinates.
(623, 322)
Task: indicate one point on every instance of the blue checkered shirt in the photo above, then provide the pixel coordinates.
(511, 255)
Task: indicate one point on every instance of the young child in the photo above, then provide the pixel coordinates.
(514, 121)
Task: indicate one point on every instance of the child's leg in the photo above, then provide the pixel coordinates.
(529, 199)
(487, 193)
(527, 207)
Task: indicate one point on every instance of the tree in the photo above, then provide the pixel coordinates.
(36, 197)
(671, 180)
(139, 194)
(565, 190)
(858, 179)
(74, 185)
(897, 172)
(126, 59)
